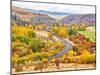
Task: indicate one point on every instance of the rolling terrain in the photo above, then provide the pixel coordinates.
(21, 16)
(40, 16)
(79, 18)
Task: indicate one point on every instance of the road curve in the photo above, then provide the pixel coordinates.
(67, 44)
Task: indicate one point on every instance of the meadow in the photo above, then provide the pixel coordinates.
(90, 35)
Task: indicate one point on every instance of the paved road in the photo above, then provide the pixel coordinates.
(67, 43)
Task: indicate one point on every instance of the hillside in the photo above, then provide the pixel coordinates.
(79, 18)
(21, 15)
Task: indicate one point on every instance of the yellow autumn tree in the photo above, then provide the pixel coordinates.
(63, 32)
(71, 53)
(86, 57)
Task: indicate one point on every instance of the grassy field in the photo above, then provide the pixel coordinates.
(90, 35)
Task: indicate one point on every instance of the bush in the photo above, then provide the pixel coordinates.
(14, 37)
(50, 35)
(63, 59)
(44, 55)
(44, 60)
(23, 31)
(71, 53)
(36, 44)
(20, 48)
(71, 31)
(37, 56)
(86, 57)
(31, 34)
(15, 58)
(23, 39)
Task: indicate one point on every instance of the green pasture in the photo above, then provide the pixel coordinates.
(90, 35)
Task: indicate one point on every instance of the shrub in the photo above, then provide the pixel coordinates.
(50, 35)
(36, 44)
(23, 39)
(37, 56)
(44, 55)
(23, 31)
(71, 53)
(86, 57)
(44, 60)
(15, 58)
(31, 34)
(14, 37)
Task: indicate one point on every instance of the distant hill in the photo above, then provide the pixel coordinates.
(79, 18)
(21, 16)
(51, 13)
(55, 15)
(24, 16)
